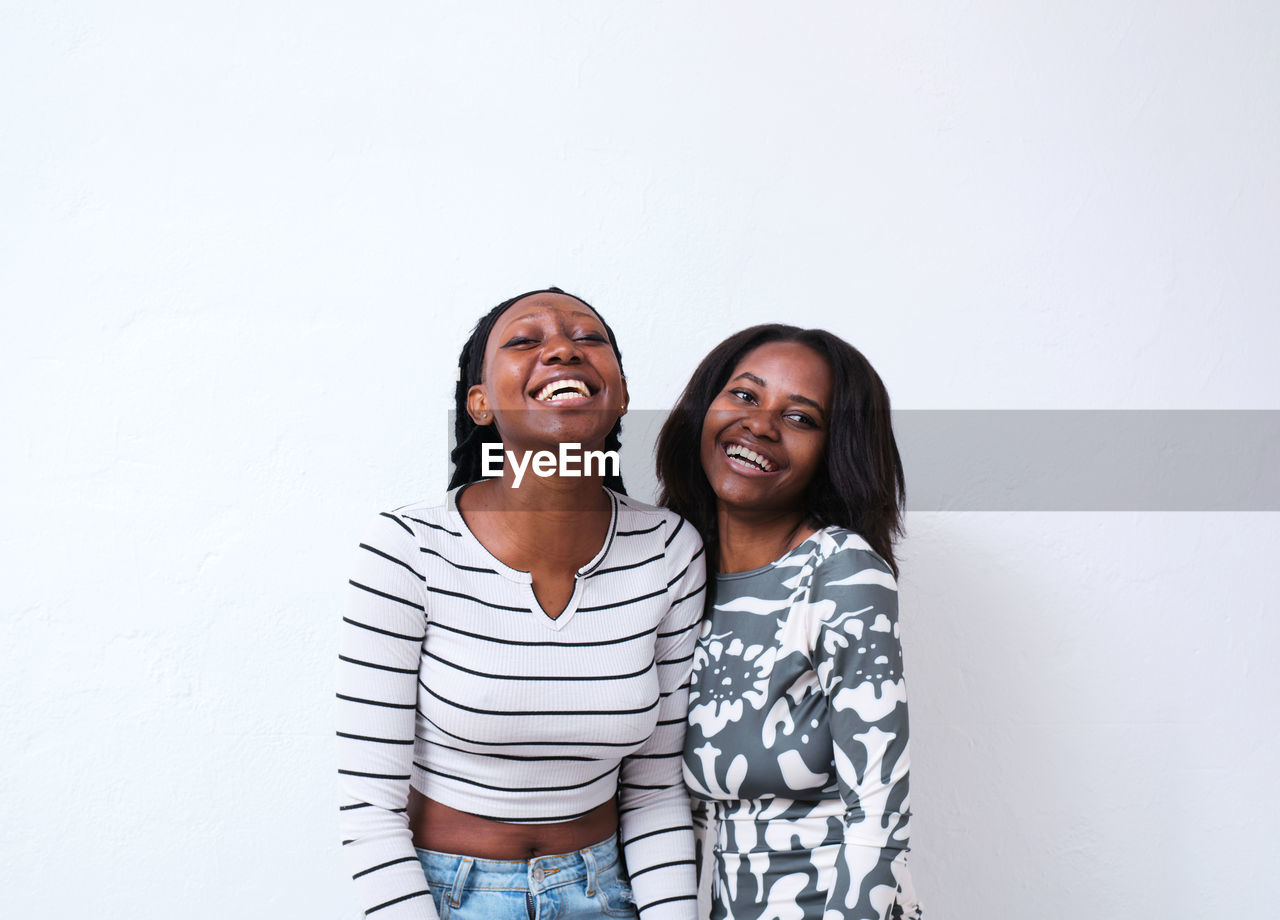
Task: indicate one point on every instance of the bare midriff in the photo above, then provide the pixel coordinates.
(447, 830)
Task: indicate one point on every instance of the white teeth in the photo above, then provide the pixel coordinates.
(562, 389)
(746, 453)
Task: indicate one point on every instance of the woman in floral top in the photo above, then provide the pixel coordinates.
(781, 452)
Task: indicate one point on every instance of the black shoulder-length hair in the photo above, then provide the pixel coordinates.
(859, 484)
(469, 437)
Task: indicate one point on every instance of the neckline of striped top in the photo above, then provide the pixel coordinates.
(526, 578)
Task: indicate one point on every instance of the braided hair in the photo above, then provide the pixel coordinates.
(469, 437)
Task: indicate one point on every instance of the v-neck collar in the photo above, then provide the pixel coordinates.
(525, 579)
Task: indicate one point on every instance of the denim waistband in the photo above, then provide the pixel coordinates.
(536, 875)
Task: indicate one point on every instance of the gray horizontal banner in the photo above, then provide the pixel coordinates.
(1090, 460)
(1061, 460)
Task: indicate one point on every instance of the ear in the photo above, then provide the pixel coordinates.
(478, 405)
(626, 398)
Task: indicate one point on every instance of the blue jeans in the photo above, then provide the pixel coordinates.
(583, 885)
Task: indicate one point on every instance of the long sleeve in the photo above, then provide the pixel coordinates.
(858, 657)
(703, 839)
(379, 653)
(657, 835)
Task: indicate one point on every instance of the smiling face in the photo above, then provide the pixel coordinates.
(550, 375)
(764, 436)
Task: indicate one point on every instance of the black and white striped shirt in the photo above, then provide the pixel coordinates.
(452, 678)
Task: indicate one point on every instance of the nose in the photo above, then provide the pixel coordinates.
(561, 349)
(761, 424)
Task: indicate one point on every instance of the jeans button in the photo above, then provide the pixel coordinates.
(538, 874)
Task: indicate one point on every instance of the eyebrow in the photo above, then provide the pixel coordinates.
(588, 314)
(759, 381)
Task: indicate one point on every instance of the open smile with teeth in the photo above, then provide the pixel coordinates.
(747, 455)
(558, 390)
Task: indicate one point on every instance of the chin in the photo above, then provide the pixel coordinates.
(579, 430)
(735, 496)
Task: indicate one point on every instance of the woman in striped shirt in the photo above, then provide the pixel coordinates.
(515, 661)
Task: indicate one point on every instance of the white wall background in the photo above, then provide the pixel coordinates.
(241, 243)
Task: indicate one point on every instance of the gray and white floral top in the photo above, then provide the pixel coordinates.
(797, 742)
